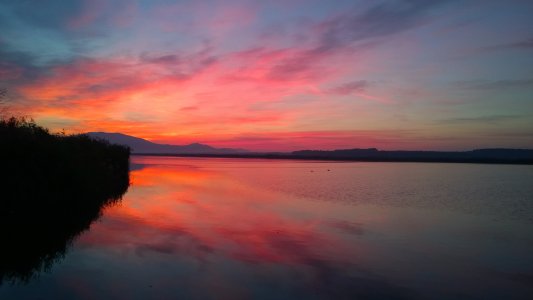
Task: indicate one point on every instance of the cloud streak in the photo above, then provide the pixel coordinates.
(495, 84)
(350, 87)
(490, 119)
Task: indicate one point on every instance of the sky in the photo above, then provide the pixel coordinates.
(276, 75)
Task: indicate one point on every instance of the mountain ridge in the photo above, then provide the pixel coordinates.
(139, 145)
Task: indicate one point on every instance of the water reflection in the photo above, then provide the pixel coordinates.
(225, 229)
(191, 215)
(38, 230)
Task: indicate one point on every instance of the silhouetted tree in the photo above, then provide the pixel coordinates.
(53, 187)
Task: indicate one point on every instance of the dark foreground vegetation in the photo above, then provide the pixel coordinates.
(52, 188)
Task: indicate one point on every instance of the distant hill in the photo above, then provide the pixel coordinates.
(139, 145)
(488, 156)
(496, 155)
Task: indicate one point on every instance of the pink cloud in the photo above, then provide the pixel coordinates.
(209, 94)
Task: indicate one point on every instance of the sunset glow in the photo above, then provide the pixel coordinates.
(276, 75)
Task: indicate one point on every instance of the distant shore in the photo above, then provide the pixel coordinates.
(141, 146)
(483, 156)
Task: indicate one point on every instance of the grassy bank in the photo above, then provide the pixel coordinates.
(35, 162)
(53, 187)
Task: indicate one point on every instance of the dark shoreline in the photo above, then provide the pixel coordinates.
(484, 156)
(53, 188)
(275, 156)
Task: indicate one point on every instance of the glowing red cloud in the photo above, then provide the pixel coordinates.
(213, 94)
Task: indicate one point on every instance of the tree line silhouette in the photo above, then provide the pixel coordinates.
(53, 186)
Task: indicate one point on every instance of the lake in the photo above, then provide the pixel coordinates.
(207, 228)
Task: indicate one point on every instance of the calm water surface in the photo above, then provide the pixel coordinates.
(268, 229)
